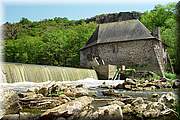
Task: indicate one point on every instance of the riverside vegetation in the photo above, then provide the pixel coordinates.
(57, 41)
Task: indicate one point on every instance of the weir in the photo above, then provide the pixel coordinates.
(17, 72)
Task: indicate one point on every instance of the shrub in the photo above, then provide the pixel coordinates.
(170, 76)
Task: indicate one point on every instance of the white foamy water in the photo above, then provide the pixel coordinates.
(90, 82)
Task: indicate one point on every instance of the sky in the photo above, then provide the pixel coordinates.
(35, 10)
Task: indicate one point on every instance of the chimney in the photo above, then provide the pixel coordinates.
(156, 33)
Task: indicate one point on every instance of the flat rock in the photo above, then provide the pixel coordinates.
(68, 109)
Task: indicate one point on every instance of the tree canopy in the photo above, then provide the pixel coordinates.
(163, 16)
(57, 41)
(51, 42)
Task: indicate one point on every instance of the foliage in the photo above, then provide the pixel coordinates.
(163, 16)
(170, 76)
(58, 41)
(178, 39)
(51, 42)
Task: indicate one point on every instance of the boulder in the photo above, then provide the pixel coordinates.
(156, 105)
(151, 113)
(127, 108)
(30, 96)
(128, 87)
(119, 86)
(76, 92)
(155, 95)
(53, 89)
(139, 109)
(168, 99)
(110, 112)
(11, 103)
(118, 103)
(43, 91)
(71, 108)
(129, 81)
(137, 101)
(21, 116)
(176, 83)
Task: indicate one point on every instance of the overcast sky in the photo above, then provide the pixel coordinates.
(14, 10)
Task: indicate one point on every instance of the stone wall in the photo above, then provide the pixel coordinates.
(106, 72)
(137, 54)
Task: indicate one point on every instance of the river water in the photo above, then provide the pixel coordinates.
(89, 83)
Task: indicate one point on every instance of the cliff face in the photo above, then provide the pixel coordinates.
(114, 17)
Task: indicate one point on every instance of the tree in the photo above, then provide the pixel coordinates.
(178, 38)
(163, 16)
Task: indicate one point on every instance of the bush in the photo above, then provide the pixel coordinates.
(170, 76)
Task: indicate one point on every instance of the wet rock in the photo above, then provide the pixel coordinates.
(155, 95)
(156, 105)
(127, 100)
(139, 109)
(11, 103)
(147, 88)
(169, 114)
(127, 87)
(43, 91)
(163, 79)
(81, 92)
(30, 96)
(21, 116)
(119, 86)
(69, 93)
(71, 108)
(168, 99)
(53, 89)
(118, 103)
(127, 108)
(76, 92)
(80, 85)
(137, 89)
(110, 112)
(152, 113)
(137, 101)
(176, 83)
(149, 84)
(129, 81)
(111, 92)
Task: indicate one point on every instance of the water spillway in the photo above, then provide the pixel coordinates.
(17, 72)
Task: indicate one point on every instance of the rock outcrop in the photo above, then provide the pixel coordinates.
(114, 17)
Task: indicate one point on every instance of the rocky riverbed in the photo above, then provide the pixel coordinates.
(90, 100)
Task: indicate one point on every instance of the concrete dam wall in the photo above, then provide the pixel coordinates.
(17, 72)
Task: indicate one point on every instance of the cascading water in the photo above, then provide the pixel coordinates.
(26, 76)
(16, 72)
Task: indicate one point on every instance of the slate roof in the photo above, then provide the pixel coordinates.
(119, 31)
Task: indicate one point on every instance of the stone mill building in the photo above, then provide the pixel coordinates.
(127, 43)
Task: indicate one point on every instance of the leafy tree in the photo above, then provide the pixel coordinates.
(163, 16)
(24, 21)
(51, 41)
(178, 39)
